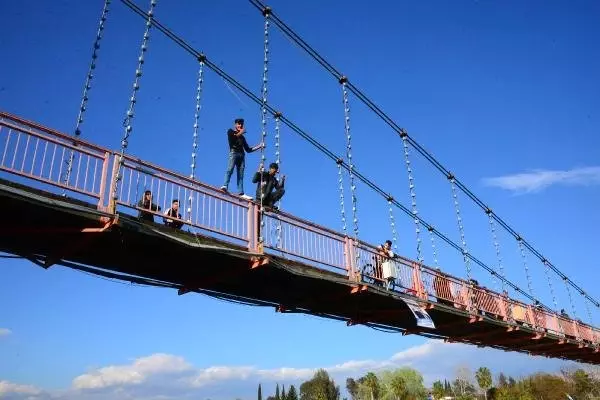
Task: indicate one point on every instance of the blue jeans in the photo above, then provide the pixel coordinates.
(236, 160)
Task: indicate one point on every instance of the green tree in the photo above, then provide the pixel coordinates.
(546, 386)
(320, 387)
(283, 396)
(277, 397)
(292, 395)
(447, 388)
(369, 387)
(502, 381)
(402, 383)
(352, 388)
(438, 390)
(583, 385)
(259, 392)
(484, 379)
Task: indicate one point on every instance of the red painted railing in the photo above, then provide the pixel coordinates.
(36, 153)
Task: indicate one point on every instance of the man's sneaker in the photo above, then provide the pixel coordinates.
(224, 188)
(245, 196)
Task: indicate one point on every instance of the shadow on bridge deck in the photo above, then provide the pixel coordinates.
(49, 229)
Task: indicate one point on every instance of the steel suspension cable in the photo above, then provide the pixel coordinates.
(496, 246)
(86, 87)
(295, 128)
(339, 163)
(278, 162)
(547, 273)
(524, 257)
(420, 149)
(263, 111)
(571, 301)
(197, 115)
(195, 134)
(393, 225)
(413, 196)
(132, 101)
(461, 228)
(430, 229)
(344, 81)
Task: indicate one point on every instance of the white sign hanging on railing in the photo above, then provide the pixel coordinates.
(422, 317)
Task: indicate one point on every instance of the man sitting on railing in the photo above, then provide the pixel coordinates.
(173, 212)
(147, 204)
(272, 189)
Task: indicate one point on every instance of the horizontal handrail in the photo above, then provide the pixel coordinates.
(209, 209)
(52, 132)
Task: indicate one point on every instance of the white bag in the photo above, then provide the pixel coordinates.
(389, 269)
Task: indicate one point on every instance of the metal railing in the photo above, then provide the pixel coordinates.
(201, 206)
(302, 240)
(36, 153)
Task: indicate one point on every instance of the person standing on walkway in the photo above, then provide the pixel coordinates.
(238, 147)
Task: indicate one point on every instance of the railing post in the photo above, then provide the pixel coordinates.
(102, 192)
(350, 259)
(557, 323)
(112, 201)
(576, 331)
(252, 227)
(418, 285)
(502, 307)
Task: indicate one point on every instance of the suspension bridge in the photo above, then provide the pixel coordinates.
(77, 200)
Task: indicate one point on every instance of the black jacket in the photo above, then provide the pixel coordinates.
(172, 223)
(237, 144)
(271, 183)
(145, 215)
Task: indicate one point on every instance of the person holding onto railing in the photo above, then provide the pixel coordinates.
(173, 212)
(237, 156)
(146, 203)
(384, 268)
(268, 185)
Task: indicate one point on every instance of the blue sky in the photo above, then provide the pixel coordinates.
(505, 94)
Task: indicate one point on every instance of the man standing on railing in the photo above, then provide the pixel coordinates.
(147, 204)
(272, 189)
(237, 156)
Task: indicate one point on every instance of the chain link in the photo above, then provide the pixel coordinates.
(201, 60)
(570, 299)
(86, 88)
(524, 257)
(589, 312)
(393, 225)
(547, 272)
(132, 100)
(433, 248)
(278, 161)
(497, 248)
(266, 14)
(461, 228)
(343, 82)
(413, 194)
(341, 186)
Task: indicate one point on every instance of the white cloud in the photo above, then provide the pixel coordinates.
(165, 376)
(135, 373)
(8, 388)
(5, 332)
(537, 180)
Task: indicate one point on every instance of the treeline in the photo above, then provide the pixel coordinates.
(408, 384)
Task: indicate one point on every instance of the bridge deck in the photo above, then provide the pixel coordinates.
(51, 229)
